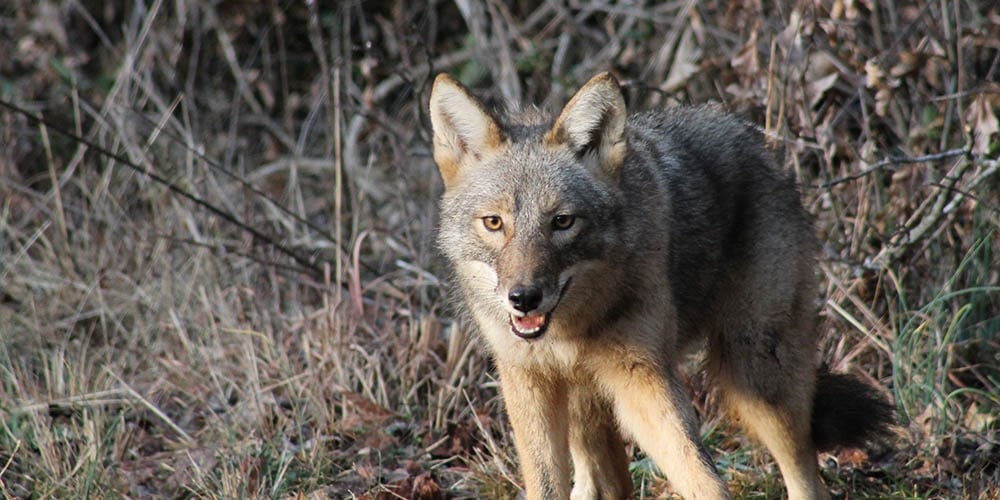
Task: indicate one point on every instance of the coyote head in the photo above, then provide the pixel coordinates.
(531, 206)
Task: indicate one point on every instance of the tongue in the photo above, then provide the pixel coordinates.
(528, 323)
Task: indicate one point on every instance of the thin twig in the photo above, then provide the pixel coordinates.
(166, 183)
(10, 460)
(151, 407)
(898, 160)
(908, 235)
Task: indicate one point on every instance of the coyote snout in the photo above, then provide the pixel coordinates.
(525, 298)
(532, 312)
(531, 292)
(527, 322)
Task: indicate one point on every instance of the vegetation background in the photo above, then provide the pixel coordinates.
(217, 267)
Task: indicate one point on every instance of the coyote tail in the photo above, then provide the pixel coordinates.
(848, 413)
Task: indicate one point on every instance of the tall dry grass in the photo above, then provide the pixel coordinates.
(217, 268)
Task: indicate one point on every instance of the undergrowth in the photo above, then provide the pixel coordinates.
(217, 266)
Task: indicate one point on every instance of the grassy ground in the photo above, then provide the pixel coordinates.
(217, 269)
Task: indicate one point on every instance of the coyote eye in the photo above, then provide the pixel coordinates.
(562, 222)
(493, 222)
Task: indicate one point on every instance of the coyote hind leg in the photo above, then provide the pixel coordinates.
(768, 382)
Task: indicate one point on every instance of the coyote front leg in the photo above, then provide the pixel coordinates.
(655, 409)
(538, 411)
(600, 467)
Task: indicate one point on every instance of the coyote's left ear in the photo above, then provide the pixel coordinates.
(593, 123)
(463, 128)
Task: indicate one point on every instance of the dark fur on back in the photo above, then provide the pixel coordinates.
(848, 413)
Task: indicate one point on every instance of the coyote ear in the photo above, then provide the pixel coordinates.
(593, 122)
(462, 126)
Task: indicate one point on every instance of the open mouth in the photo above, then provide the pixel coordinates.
(533, 326)
(529, 327)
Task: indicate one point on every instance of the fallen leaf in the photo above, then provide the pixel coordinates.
(984, 124)
(908, 63)
(685, 65)
(817, 88)
(853, 457)
(746, 60)
(874, 74)
(426, 487)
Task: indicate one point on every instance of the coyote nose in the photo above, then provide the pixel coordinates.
(525, 298)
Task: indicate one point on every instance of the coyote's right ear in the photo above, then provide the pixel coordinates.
(462, 127)
(593, 124)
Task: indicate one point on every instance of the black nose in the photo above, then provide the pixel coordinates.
(525, 298)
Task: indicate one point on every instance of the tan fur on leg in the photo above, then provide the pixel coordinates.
(657, 412)
(600, 467)
(538, 411)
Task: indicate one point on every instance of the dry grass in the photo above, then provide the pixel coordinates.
(224, 284)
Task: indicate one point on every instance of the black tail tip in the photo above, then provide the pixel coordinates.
(848, 413)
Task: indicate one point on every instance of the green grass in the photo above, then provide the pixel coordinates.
(938, 337)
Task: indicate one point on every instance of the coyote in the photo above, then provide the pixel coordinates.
(597, 249)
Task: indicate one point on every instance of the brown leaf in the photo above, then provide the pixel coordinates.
(422, 487)
(818, 87)
(367, 471)
(984, 124)
(908, 63)
(460, 442)
(882, 98)
(426, 487)
(685, 64)
(746, 60)
(852, 456)
(367, 408)
(874, 74)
